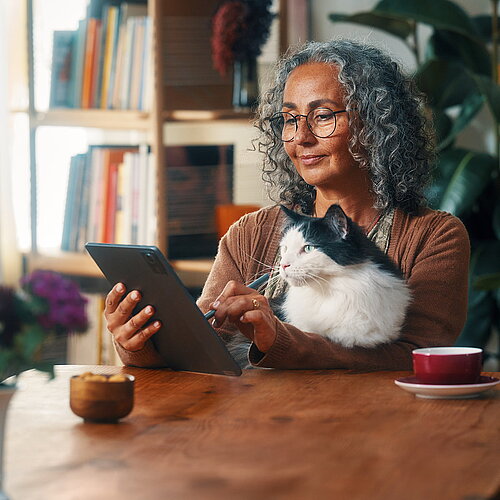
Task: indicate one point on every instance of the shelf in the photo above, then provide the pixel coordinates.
(78, 264)
(138, 120)
(187, 115)
(93, 118)
(192, 272)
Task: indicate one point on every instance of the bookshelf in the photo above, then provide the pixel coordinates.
(149, 124)
(192, 108)
(184, 97)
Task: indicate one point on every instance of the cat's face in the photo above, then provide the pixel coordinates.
(302, 262)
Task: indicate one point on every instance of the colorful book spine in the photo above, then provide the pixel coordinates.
(88, 65)
(62, 65)
(78, 63)
(69, 206)
(111, 39)
(105, 63)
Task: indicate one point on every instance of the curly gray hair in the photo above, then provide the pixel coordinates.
(390, 136)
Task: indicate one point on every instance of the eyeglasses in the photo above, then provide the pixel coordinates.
(322, 123)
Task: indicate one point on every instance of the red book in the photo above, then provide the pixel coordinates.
(112, 159)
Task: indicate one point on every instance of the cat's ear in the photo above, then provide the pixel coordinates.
(293, 216)
(337, 219)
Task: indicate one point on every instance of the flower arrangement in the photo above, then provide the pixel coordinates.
(239, 30)
(46, 305)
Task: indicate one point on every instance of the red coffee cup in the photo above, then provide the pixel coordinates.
(447, 365)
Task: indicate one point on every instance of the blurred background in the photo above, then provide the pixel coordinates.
(131, 121)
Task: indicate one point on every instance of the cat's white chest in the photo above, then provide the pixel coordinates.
(363, 306)
(310, 309)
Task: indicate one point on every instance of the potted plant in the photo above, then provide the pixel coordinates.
(46, 306)
(458, 72)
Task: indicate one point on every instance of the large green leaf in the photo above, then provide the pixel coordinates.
(488, 282)
(472, 174)
(482, 304)
(446, 166)
(483, 26)
(480, 314)
(491, 91)
(452, 46)
(485, 271)
(496, 219)
(442, 125)
(469, 108)
(397, 27)
(445, 84)
(30, 341)
(442, 14)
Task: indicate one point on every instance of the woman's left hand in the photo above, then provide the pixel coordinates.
(248, 311)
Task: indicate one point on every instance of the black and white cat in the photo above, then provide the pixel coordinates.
(340, 284)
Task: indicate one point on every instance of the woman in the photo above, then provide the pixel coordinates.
(374, 160)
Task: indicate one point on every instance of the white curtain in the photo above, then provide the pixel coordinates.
(10, 20)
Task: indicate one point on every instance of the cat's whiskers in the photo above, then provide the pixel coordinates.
(271, 269)
(318, 277)
(319, 280)
(258, 261)
(259, 274)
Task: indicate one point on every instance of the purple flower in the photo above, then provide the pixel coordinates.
(63, 307)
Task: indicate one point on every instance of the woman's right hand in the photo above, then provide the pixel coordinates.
(128, 331)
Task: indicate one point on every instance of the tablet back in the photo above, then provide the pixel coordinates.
(186, 340)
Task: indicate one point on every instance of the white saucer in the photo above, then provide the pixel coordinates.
(462, 391)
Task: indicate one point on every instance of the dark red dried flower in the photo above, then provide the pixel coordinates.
(239, 30)
(227, 25)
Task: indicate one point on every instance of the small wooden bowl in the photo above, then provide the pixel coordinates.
(101, 401)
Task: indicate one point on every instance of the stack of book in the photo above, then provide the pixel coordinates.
(110, 197)
(105, 63)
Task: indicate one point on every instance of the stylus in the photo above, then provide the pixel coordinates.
(255, 284)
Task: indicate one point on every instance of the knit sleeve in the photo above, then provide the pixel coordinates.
(434, 258)
(241, 257)
(225, 269)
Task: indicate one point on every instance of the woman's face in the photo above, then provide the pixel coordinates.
(323, 163)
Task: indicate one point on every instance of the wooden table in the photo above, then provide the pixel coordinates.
(265, 435)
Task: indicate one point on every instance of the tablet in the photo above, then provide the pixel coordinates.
(186, 340)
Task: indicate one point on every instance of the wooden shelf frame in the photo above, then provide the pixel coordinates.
(128, 119)
(193, 272)
(93, 118)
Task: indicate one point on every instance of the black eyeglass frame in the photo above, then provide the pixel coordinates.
(295, 119)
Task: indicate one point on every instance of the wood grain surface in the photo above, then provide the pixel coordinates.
(265, 435)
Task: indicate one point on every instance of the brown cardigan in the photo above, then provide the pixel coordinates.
(432, 251)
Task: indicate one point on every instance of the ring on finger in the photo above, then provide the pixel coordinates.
(255, 303)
